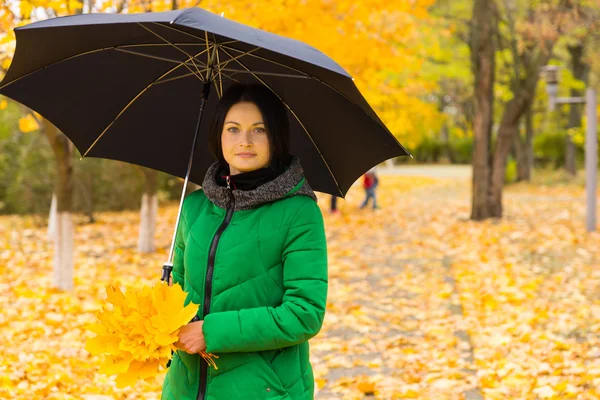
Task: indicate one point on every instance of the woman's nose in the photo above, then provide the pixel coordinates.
(246, 138)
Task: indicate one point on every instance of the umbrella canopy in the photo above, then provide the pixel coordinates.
(128, 87)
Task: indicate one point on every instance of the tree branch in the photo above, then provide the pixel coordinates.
(513, 41)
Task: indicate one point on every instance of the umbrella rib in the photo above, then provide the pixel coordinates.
(209, 60)
(130, 103)
(166, 41)
(190, 74)
(271, 61)
(231, 59)
(295, 116)
(194, 36)
(159, 58)
(220, 69)
(314, 144)
(226, 43)
(266, 73)
(158, 44)
(218, 86)
(169, 26)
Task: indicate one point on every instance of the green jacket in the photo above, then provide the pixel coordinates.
(256, 261)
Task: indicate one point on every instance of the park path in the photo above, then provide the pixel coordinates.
(431, 171)
(391, 320)
(408, 313)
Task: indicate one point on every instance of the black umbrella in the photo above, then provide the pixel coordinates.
(133, 87)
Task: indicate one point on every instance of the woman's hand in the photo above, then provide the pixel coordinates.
(191, 338)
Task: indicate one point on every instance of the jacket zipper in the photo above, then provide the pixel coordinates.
(208, 283)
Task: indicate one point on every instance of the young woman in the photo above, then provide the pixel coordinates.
(251, 251)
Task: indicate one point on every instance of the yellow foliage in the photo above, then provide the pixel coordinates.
(6, 63)
(25, 8)
(28, 124)
(138, 331)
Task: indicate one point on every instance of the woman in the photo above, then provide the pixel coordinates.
(251, 251)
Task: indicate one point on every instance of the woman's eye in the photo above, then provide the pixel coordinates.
(260, 130)
(232, 129)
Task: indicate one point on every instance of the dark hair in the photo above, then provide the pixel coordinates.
(274, 116)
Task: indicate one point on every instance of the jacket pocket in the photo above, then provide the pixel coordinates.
(245, 376)
(273, 377)
(285, 364)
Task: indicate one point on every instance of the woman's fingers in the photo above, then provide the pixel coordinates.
(170, 281)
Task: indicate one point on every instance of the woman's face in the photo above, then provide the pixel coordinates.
(244, 139)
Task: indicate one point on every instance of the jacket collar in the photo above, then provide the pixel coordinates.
(290, 183)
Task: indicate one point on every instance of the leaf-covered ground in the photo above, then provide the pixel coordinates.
(423, 303)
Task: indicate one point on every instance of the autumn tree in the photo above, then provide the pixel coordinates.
(484, 25)
(61, 224)
(526, 33)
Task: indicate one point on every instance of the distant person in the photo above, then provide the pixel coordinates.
(334, 209)
(370, 183)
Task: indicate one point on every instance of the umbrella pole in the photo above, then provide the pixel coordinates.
(168, 266)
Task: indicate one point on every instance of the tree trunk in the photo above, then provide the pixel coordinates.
(52, 218)
(447, 146)
(520, 157)
(63, 239)
(63, 252)
(570, 165)
(483, 51)
(506, 133)
(148, 212)
(580, 72)
(445, 131)
(516, 107)
(86, 188)
(524, 149)
(529, 141)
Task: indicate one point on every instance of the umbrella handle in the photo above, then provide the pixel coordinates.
(166, 272)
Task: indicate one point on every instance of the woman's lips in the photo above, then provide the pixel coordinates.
(246, 155)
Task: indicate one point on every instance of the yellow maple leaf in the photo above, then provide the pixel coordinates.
(116, 366)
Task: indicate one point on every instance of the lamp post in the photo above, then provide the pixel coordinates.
(591, 137)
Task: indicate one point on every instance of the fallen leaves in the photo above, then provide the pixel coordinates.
(423, 303)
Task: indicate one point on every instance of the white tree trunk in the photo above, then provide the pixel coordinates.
(63, 252)
(52, 219)
(147, 223)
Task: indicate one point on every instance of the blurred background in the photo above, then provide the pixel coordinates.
(478, 277)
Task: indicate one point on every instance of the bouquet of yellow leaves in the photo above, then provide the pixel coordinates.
(139, 331)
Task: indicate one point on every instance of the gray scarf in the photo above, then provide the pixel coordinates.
(274, 190)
